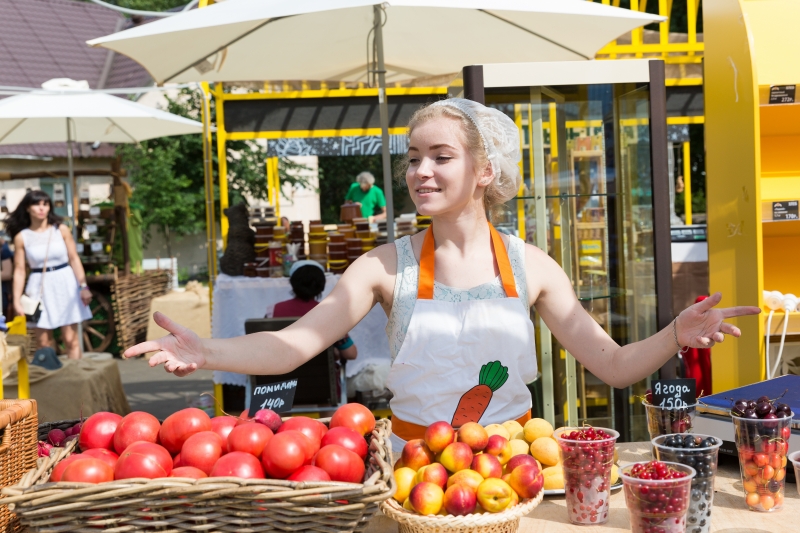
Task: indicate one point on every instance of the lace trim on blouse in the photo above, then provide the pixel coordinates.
(405, 288)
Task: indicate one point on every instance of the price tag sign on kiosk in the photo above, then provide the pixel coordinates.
(785, 210)
(674, 393)
(782, 94)
(278, 397)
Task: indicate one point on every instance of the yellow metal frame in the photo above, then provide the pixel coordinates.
(690, 51)
(220, 97)
(19, 327)
(521, 191)
(274, 185)
(687, 183)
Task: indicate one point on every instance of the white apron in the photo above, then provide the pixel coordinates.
(462, 361)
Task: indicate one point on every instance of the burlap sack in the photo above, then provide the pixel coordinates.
(79, 388)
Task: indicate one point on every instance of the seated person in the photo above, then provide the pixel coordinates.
(308, 282)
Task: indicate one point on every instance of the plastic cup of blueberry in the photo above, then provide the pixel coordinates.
(657, 495)
(701, 452)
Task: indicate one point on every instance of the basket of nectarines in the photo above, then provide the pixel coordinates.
(470, 479)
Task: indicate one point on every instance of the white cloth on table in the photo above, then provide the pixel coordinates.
(237, 298)
(61, 297)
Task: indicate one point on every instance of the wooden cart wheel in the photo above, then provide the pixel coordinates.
(98, 331)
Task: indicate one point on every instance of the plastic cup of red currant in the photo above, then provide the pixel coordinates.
(657, 494)
(701, 452)
(664, 420)
(587, 456)
(795, 460)
(763, 445)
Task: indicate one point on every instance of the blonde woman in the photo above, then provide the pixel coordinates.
(457, 295)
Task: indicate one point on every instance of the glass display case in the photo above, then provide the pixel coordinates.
(595, 197)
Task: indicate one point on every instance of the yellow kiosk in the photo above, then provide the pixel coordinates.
(753, 175)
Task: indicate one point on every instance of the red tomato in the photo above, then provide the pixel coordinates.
(134, 427)
(202, 450)
(354, 416)
(340, 463)
(222, 426)
(238, 464)
(313, 429)
(249, 438)
(88, 470)
(98, 431)
(310, 473)
(244, 418)
(58, 470)
(188, 471)
(180, 426)
(176, 461)
(104, 455)
(143, 459)
(346, 438)
(285, 453)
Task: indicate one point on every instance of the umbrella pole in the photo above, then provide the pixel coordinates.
(74, 184)
(383, 109)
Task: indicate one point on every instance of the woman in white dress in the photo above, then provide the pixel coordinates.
(39, 238)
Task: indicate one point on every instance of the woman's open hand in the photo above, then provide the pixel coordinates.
(86, 296)
(182, 352)
(702, 325)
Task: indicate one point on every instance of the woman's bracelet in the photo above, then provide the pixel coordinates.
(84, 287)
(681, 349)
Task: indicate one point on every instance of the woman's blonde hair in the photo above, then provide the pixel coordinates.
(496, 145)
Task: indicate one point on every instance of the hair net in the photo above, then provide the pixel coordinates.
(500, 139)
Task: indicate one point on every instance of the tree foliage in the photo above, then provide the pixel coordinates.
(167, 173)
(148, 5)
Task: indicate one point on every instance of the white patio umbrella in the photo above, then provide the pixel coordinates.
(244, 40)
(66, 111)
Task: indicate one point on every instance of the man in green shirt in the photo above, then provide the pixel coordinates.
(371, 198)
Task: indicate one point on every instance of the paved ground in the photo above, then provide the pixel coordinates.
(157, 392)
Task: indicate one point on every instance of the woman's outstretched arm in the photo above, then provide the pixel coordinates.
(699, 326)
(182, 352)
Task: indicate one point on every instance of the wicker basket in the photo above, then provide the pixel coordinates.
(18, 451)
(505, 522)
(172, 505)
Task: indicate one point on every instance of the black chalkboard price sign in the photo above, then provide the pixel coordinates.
(278, 397)
(674, 393)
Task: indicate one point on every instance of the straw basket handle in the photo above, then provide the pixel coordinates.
(12, 412)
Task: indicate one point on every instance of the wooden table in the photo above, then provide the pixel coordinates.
(730, 515)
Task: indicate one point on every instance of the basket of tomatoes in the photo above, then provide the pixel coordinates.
(190, 472)
(469, 480)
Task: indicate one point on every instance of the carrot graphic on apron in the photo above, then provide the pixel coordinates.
(475, 401)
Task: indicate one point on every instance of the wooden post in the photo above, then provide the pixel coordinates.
(121, 213)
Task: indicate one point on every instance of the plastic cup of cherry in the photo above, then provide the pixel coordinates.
(657, 494)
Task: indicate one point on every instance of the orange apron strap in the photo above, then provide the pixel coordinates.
(426, 268)
(410, 431)
(426, 265)
(503, 264)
